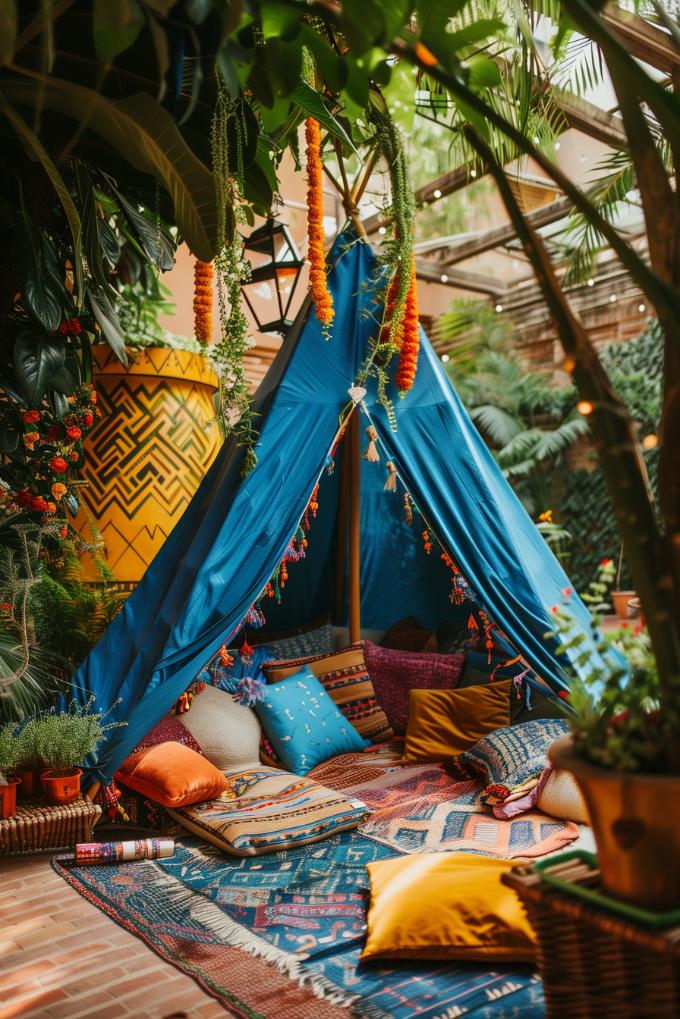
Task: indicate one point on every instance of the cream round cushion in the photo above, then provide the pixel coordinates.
(561, 797)
(228, 733)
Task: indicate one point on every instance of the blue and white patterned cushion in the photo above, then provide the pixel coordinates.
(513, 755)
(303, 723)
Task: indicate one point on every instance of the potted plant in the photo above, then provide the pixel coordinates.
(624, 601)
(63, 741)
(9, 756)
(619, 760)
(29, 766)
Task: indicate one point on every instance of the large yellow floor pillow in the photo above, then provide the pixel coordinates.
(444, 723)
(445, 906)
(265, 809)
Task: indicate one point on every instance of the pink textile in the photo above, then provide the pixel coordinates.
(168, 730)
(395, 673)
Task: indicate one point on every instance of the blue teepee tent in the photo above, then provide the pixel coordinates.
(221, 554)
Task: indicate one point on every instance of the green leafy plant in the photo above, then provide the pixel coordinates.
(28, 671)
(9, 750)
(616, 706)
(64, 739)
(528, 420)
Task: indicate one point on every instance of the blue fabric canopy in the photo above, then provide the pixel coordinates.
(221, 554)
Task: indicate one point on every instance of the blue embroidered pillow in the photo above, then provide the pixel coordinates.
(304, 724)
(512, 756)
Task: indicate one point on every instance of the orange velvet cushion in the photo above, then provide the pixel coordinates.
(445, 906)
(173, 775)
(444, 723)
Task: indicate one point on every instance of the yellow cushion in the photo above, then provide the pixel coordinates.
(445, 906)
(444, 723)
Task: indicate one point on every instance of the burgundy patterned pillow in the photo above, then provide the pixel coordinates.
(395, 673)
(169, 729)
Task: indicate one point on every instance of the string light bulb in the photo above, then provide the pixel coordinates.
(436, 193)
(612, 298)
(591, 282)
(499, 308)
(446, 358)
(584, 407)
(444, 278)
(642, 308)
(650, 441)
(473, 173)
(382, 230)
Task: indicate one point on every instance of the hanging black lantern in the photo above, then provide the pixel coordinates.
(276, 267)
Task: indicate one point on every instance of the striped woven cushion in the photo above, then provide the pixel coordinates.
(265, 810)
(345, 677)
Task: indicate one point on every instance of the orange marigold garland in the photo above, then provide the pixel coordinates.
(410, 344)
(323, 301)
(203, 300)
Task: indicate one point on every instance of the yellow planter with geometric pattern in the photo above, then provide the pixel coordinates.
(147, 454)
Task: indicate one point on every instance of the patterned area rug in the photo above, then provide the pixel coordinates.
(279, 937)
(422, 809)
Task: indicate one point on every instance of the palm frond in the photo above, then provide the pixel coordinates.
(499, 425)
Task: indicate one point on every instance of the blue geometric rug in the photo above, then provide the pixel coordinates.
(279, 936)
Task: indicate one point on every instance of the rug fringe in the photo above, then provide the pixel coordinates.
(235, 934)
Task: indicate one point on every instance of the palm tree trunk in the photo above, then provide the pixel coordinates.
(615, 442)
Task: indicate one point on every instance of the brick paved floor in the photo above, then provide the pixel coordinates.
(62, 958)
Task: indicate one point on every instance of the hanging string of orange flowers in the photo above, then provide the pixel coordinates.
(323, 301)
(410, 344)
(203, 300)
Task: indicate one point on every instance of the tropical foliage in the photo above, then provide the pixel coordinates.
(528, 420)
(615, 710)
(81, 91)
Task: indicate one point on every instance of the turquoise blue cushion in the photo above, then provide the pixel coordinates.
(303, 723)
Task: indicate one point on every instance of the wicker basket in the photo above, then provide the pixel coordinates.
(594, 964)
(42, 828)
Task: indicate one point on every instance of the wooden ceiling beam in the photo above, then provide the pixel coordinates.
(497, 236)
(461, 279)
(590, 120)
(642, 39)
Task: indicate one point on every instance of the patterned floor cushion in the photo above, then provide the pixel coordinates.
(265, 810)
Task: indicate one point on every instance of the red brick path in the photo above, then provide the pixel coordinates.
(62, 958)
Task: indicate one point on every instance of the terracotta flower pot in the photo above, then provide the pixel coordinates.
(636, 824)
(30, 786)
(8, 798)
(61, 786)
(622, 608)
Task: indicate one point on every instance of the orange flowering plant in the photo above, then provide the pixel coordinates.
(42, 480)
(323, 302)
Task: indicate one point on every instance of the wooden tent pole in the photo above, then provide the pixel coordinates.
(354, 456)
(341, 533)
(93, 790)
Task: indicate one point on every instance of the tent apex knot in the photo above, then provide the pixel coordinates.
(356, 393)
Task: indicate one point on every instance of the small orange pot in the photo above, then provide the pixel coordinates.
(30, 783)
(8, 798)
(622, 608)
(61, 786)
